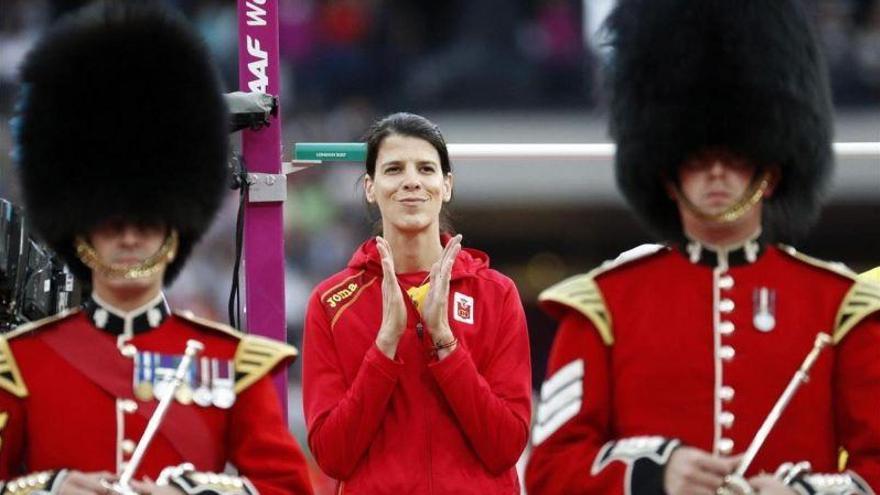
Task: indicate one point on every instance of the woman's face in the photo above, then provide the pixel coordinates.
(408, 184)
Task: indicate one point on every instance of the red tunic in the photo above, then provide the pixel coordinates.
(68, 403)
(414, 424)
(660, 348)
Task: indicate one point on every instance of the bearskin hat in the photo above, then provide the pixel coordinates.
(744, 75)
(120, 117)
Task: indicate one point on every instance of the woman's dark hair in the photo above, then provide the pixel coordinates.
(405, 124)
(409, 125)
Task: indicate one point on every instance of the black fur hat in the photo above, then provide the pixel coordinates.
(746, 75)
(120, 116)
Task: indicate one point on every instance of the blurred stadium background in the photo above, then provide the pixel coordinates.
(485, 71)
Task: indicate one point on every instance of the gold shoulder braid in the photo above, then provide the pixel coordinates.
(581, 293)
(4, 418)
(147, 268)
(10, 376)
(257, 356)
(862, 300)
(872, 275)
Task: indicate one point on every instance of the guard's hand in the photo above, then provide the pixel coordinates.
(393, 307)
(434, 309)
(79, 483)
(692, 471)
(766, 484)
(148, 487)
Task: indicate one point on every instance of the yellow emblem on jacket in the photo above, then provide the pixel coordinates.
(341, 295)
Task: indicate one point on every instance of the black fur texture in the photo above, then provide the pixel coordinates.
(121, 116)
(746, 75)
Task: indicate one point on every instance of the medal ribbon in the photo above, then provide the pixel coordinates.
(95, 355)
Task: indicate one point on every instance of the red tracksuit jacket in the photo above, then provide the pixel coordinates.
(413, 424)
(676, 346)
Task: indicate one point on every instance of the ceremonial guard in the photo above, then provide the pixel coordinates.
(669, 359)
(121, 141)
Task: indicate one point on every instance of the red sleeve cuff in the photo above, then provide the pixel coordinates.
(445, 369)
(391, 368)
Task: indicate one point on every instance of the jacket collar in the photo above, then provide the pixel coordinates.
(746, 252)
(468, 262)
(128, 323)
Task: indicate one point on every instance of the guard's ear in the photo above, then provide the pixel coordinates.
(774, 175)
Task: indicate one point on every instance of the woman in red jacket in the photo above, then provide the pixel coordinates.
(416, 355)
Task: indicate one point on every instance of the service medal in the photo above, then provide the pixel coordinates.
(144, 391)
(202, 394)
(184, 394)
(223, 397)
(222, 385)
(764, 309)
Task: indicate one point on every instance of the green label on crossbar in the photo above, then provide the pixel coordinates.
(330, 152)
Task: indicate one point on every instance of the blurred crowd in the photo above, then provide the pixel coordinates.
(421, 54)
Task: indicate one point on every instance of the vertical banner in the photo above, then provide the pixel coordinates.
(264, 222)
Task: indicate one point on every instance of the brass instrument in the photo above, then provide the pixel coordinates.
(735, 483)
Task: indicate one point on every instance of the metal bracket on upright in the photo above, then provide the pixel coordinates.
(266, 188)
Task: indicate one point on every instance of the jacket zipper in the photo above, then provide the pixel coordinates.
(420, 332)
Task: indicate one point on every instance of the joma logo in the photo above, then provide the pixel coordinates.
(341, 295)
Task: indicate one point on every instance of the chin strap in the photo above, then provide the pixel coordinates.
(145, 269)
(735, 211)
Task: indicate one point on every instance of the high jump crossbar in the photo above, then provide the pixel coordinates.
(273, 187)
